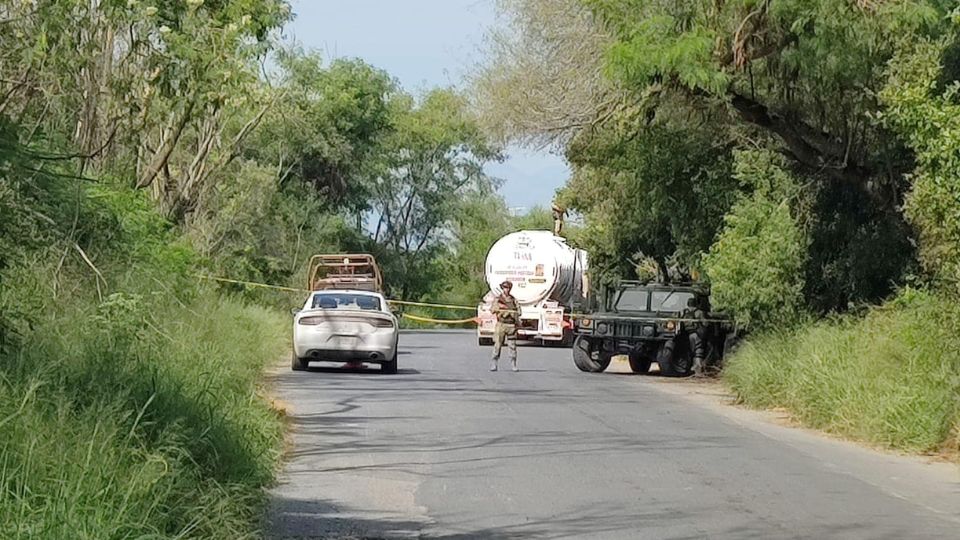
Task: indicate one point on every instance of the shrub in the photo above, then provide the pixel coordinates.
(138, 417)
(891, 378)
(755, 266)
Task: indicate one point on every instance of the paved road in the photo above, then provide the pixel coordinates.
(448, 450)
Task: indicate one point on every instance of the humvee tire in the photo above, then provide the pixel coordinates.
(583, 357)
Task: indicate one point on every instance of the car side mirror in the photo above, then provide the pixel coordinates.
(294, 311)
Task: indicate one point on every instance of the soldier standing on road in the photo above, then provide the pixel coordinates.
(506, 310)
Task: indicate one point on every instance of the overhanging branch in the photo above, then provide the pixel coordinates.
(810, 147)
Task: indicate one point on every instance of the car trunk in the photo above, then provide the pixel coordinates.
(349, 323)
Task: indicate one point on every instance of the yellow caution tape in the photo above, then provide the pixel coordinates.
(424, 304)
(439, 321)
(427, 304)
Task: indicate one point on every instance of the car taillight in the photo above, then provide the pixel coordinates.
(310, 321)
(383, 323)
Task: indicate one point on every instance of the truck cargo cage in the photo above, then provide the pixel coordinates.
(344, 271)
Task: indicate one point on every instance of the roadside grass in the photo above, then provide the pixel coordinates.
(890, 378)
(139, 417)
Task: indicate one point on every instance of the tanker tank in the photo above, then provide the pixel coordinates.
(548, 277)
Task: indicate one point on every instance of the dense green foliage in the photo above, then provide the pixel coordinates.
(889, 377)
(672, 187)
(923, 103)
(138, 417)
(668, 92)
(756, 263)
(128, 394)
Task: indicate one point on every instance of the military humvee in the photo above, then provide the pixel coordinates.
(651, 323)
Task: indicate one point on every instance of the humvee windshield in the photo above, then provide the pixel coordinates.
(632, 300)
(645, 300)
(670, 300)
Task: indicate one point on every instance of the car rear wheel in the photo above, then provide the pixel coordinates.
(297, 364)
(587, 358)
(639, 363)
(391, 366)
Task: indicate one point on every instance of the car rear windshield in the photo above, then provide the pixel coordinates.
(346, 301)
(670, 300)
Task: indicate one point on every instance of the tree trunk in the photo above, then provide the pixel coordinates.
(170, 139)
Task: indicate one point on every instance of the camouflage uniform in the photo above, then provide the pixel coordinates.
(695, 335)
(506, 310)
(558, 215)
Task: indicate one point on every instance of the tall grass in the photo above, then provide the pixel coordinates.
(138, 417)
(891, 378)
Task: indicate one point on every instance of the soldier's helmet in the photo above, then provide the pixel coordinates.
(506, 285)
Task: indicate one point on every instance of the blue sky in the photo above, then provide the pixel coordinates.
(424, 43)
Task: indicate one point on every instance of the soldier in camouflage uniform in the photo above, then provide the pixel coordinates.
(695, 332)
(507, 312)
(559, 213)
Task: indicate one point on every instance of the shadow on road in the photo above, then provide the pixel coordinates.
(350, 370)
(315, 519)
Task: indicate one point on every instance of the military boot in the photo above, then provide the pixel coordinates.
(698, 366)
(493, 365)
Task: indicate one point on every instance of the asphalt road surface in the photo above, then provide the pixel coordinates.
(446, 449)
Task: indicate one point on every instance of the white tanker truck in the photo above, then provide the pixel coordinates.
(548, 278)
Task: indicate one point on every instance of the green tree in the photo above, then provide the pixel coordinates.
(432, 162)
(543, 80)
(329, 124)
(922, 102)
(800, 78)
(160, 93)
(481, 220)
(660, 193)
(794, 77)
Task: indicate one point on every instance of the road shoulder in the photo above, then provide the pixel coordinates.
(923, 480)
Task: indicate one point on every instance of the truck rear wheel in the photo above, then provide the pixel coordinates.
(639, 363)
(674, 360)
(588, 358)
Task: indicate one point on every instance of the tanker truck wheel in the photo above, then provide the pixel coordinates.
(588, 358)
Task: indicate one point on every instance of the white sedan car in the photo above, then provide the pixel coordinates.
(345, 326)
